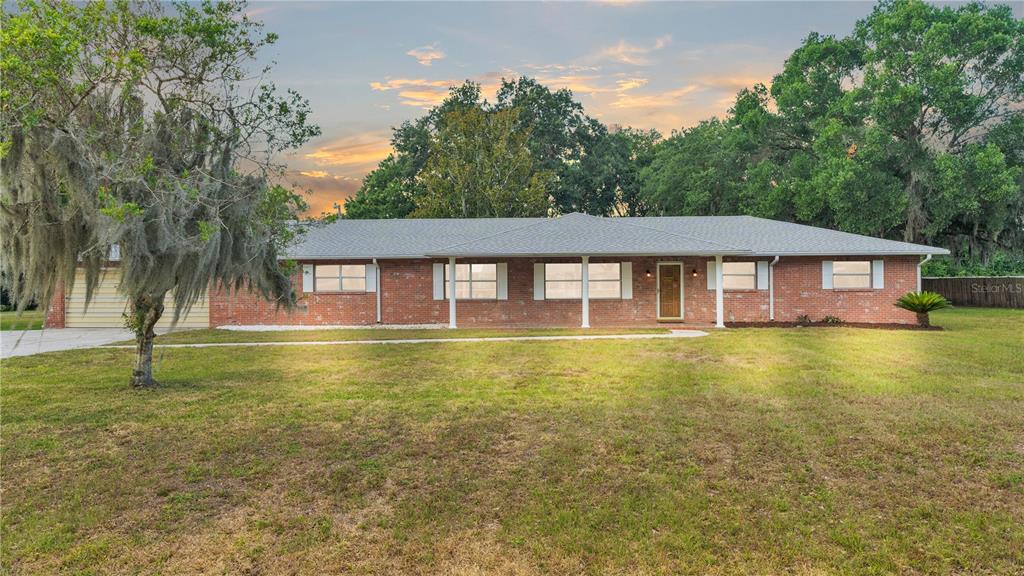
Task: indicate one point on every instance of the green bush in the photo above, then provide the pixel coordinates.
(921, 303)
(1001, 264)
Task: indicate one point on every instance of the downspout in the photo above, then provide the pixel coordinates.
(919, 264)
(771, 289)
(376, 282)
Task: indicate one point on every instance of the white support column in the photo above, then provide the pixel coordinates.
(771, 289)
(586, 292)
(451, 292)
(376, 287)
(719, 296)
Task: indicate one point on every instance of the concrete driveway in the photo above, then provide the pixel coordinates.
(27, 342)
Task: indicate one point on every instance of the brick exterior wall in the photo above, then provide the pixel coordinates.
(407, 298)
(55, 310)
(314, 309)
(798, 291)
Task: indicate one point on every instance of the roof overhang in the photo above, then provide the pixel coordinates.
(580, 254)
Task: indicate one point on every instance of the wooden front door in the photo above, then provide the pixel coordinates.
(670, 301)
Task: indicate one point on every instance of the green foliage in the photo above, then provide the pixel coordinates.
(110, 206)
(1000, 264)
(575, 162)
(697, 171)
(480, 166)
(136, 124)
(389, 191)
(911, 127)
(922, 302)
(831, 320)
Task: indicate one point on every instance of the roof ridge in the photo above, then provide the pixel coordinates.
(617, 220)
(688, 237)
(487, 236)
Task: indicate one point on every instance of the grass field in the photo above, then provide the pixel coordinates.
(28, 320)
(750, 451)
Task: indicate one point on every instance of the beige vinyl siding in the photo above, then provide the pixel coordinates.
(108, 305)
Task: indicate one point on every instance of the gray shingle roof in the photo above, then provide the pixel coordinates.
(579, 234)
(770, 237)
(410, 238)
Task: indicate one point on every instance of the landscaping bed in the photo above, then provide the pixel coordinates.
(892, 326)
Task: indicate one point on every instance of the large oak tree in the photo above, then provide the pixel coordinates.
(143, 126)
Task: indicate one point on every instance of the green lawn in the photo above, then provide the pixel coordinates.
(27, 320)
(750, 451)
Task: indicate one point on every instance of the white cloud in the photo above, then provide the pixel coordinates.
(426, 55)
(626, 53)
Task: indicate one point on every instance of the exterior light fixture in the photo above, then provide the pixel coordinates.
(647, 273)
(694, 272)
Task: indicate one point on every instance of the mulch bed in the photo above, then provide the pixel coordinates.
(827, 325)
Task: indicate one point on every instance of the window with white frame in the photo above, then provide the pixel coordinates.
(739, 275)
(339, 278)
(473, 281)
(851, 274)
(564, 281)
(605, 280)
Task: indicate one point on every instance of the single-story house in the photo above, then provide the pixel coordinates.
(573, 270)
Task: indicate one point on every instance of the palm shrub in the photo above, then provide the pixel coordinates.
(921, 303)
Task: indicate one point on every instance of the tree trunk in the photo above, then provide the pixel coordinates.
(922, 320)
(916, 217)
(146, 311)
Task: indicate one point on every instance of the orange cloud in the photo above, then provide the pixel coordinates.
(322, 192)
(654, 100)
(578, 84)
(591, 84)
(418, 92)
(359, 150)
(734, 82)
(631, 83)
(426, 55)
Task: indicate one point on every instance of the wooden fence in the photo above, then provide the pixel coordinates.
(988, 291)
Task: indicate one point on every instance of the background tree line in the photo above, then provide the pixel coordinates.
(910, 128)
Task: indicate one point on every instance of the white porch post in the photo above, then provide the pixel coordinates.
(451, 292)
(719, 296)
(376, 288)
(586, 293)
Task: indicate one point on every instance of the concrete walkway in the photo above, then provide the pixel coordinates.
(27, 342)
(661, 336)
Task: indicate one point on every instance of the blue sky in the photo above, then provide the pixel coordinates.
(366, 67)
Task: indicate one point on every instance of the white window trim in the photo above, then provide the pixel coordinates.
(870, 276)
(617, 280)
(471, 281)
(754, 276)
(341, 279)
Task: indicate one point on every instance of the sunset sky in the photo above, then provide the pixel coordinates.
(367, 67)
